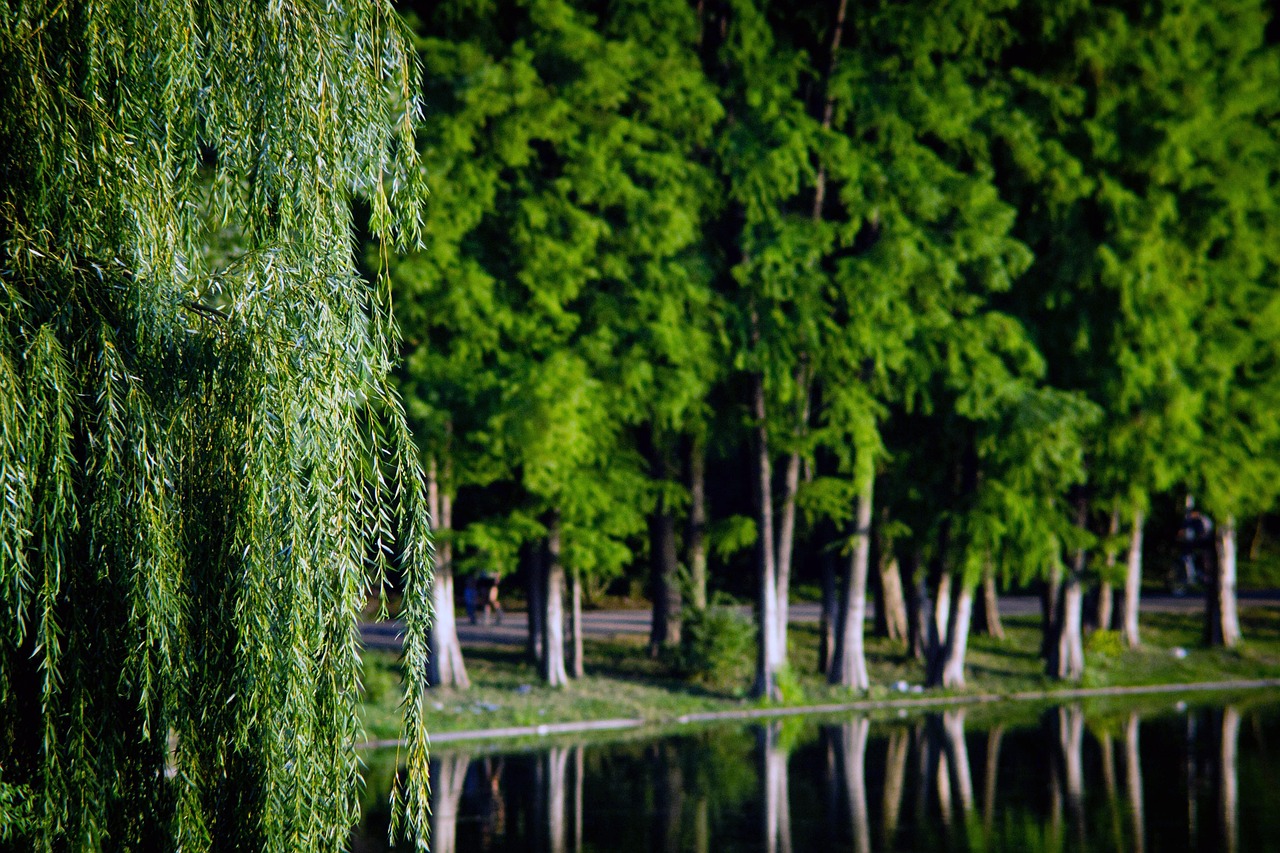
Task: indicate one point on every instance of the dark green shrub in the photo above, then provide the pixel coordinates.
(717, 647)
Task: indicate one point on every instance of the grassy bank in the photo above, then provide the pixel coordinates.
(623, 682)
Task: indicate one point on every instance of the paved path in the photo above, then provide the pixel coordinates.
(605, 624)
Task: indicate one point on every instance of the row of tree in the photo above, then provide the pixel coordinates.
(952, 291)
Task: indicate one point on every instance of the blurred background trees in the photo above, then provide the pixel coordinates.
(741, 295)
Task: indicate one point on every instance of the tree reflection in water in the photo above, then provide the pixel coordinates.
(940, 782)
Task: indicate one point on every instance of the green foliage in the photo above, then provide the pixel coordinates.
(1104, 642)
(717, 646)
(185, 435)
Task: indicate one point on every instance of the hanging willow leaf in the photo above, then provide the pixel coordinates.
(189, 493)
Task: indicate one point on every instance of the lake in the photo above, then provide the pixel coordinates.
(1160, 777)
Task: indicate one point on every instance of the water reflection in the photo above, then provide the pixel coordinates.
(1196, 780)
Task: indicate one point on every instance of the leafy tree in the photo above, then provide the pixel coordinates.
(188, 499)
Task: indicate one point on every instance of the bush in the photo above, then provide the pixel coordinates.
(717, 647)
(1105, 643)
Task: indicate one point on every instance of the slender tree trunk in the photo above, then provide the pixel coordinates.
(697, 539)
(987, 618)
(1133, 782)
(1069, 648)
(918, 610)
(850, 666)
(576, 663)
(553, 670)
(939, 622)
(445, 667)
(1133, 583)
(958, 637)
(766, 682)
(830, 614)
(1050, 592)
(1228, 778)
(786, 548)
(664, 564)
(1222, 618)
(1102, 616)
(1067, 662)
(536, 592)
(891, 606)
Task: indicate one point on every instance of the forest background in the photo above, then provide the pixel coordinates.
(923, 298)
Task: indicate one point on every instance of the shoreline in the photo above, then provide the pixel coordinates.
(903, 704)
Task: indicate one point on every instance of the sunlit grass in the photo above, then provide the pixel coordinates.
(624, 682)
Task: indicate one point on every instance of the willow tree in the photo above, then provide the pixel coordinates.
(189, 501)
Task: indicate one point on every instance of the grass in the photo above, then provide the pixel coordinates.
(623, 682)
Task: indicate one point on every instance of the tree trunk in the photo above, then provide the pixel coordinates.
(535, 588)
(939, 623)
(917, 607)
(1222, 618)
(445, 667)
(576, 663)
(1050, 589)
(892, 602)
(958, 637)
(553, 670)
(1067, 659)
(664, 564)
(891, 606)
(1102, 614)
(1133, 583)
(766, 682)
(829, 615)
(987, 619)
(697, 541)
(849, 668)
(786, 548)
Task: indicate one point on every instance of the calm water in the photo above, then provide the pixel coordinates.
(1199, 779)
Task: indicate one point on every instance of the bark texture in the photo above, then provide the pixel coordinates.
(553, 669)
(1222, 618)
(664, 565)
(1132, 584)
(767, 655)
(445, 667)
(849, 669)
(697, 538)
(987, 616)
(958, 637)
